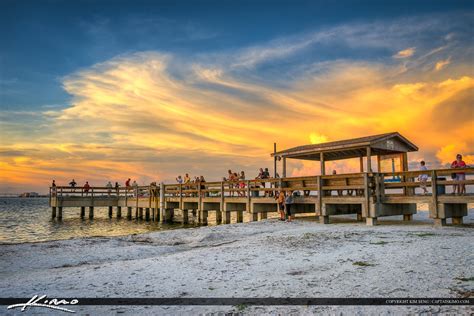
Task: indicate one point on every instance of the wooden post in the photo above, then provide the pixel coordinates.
(162, 201)
(91, 212)
(369, 159)
(140, 212)
(274, 160)
(60, 212)
(83, 212)
(361, 163)
(434, 198)
(369, 220)
(110, 211)
(185, 216)
(129, 212)
(378, 163)
(240, 216)
(147, 214)
(226, 219)
(53, 212)
(119, 211)
(323, 164)
(253, 217)
(218, 217)
(204, 215)
(284, 168)
(320, 195)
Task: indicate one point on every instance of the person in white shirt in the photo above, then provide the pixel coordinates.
(109, 188)
(423, 177)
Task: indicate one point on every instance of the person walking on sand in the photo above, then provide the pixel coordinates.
(86, 188)
(459, 164)
(281, 204)
(423, 177)
(289, 201)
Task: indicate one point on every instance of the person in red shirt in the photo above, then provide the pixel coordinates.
(459, 163)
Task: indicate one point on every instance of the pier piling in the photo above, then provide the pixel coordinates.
(91, 212)
(119, 211)
(147, 214)
(129, 213)
(110, 211)
(53, 212)
(83, 211)
(60, 212)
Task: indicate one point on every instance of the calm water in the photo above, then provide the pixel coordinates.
(29, 220)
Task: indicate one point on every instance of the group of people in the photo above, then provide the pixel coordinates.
(458, 188)
(285, 201)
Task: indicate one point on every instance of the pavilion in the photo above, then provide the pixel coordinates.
(383, 146)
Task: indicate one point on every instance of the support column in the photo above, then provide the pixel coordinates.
(169, 213)
(371, 221)
(204, 215)
(218, 217)
(323, 164)
(91, 212)
(129, 212)
(83, 212)
(162, 202)
(157, 215)
(369, 160)
(361, 163)
(253, 217)
(185, 216)
(274, 160)
(284, 168)
(53, 212)
(140, 212)
(147, 214)
(324, 219)
(226, 219)
(407, 217)
(439, 222)
(110, 211)
(60, 212)
(119, 211)
(457, 220)
(262, 216)
(136, 212)
(240, 216)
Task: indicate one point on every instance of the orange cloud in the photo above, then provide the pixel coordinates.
(405, 53)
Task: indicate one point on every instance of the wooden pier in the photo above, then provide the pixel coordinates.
(368, 194)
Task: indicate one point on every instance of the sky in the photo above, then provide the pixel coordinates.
(107, 90)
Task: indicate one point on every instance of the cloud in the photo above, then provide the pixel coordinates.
(152, 115)
(405, 53)
(442, 63)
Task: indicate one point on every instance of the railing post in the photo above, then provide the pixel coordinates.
(320, 195)
(434, 201)
(162, 201)
(180, 196)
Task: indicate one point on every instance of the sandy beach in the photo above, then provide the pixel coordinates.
(260, 259)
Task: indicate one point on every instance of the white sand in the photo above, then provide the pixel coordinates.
(260, 259)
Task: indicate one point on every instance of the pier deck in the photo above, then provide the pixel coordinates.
(369, 195)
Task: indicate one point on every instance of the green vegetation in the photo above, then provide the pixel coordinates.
(470, 279)
(363, 264)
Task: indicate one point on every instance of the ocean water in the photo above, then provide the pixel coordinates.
(29, 220)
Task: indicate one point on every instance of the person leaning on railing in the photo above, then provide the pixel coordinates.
(423, 178)
(461, 176)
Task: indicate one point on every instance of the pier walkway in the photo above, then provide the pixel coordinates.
(370, 195)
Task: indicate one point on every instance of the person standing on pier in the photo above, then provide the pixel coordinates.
(135, 188)
(109, 188)
(179, 179)
(457, 164)
(423, 177)
(117, 186)
(86, 188)
(72, 183)
(53, 188)
(127, 186)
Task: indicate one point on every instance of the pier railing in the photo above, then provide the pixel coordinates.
(376, 184)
